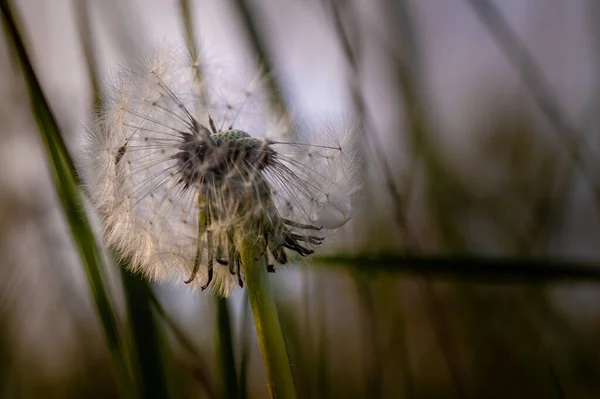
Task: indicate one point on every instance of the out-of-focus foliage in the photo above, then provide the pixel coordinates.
(469, 269)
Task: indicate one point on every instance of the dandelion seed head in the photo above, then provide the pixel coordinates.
(177, 163)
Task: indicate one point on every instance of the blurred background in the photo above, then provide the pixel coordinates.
(480, 122)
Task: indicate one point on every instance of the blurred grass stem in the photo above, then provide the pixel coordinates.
(66, 182)
(577, 146)
(225, 351)
(199, 365)
(84, 26)
(147, 335)
(259, 47)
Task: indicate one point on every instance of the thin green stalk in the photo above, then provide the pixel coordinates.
(372, 346)
(577, 145)
(225, 360)
(494, 270)
(148, 347)
(259, 46)
(323, 376)
(186, 17)
(270, 337)
(66, 182)
(84, 27)
(147, 338)
(200, 368)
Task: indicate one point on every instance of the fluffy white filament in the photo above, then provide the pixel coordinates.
(135, 163)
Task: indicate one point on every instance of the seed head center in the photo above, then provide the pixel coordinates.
(221, 157)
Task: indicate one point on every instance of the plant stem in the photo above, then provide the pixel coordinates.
(270, 337)
(150, 349)
(66, 183)
(225, 352)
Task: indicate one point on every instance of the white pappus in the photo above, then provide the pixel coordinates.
(175, 165)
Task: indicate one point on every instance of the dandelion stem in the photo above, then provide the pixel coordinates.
(270, 337)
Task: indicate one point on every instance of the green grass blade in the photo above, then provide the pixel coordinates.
(148, 348)
(225, 360)
(533, 78)
(372, 344)
(84, 27)
(485, 269)
(43, 115)
(66, 183)
(199, 367)
(147, 338)
(323, 376)
(186, 17)
(250, 25)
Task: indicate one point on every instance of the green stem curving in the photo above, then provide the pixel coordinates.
(270, 337)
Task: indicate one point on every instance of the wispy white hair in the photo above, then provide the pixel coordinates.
(180, 156)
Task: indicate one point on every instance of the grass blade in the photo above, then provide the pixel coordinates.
(186, 17)
(486, 269)
(148, 346)
(533, 78)
(226, 360)
(147, 338)
(66, 182)
(258, 45)
(372, 346)
(84, 27)
(199, 366)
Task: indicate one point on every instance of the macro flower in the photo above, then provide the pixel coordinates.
(181, 160)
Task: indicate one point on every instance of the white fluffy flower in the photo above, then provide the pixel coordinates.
(177, 164)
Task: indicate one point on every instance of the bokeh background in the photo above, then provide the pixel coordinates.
(480, 154)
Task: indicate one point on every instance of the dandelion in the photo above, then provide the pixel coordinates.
(179, 167)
